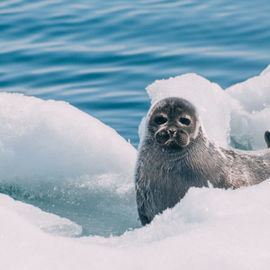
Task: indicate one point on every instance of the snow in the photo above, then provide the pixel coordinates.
(210, 228)
(48, 141)
(45, 221)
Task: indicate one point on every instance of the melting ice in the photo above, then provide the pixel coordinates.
(66, 167)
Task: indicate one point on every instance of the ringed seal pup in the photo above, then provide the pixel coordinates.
(175, 155)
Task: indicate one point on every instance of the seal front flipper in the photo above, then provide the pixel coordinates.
(140, 198)
(144, 220)
(267, 138)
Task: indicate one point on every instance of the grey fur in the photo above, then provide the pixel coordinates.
(164, 175)
(267, 138)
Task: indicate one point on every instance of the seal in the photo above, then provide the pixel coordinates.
(175, 154)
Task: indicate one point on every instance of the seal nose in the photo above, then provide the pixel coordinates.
(172, 131)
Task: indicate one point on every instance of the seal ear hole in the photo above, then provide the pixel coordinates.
(160, 120)
(185, 121)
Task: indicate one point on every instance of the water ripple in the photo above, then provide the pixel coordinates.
(100, 55)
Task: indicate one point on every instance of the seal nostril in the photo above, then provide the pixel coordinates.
(172, 131)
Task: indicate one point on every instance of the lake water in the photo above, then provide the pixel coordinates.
(100, 55)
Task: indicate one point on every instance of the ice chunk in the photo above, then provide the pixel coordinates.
(209, 229)
(66, 162)
(251, 119)
(214, 104)
(237, 116)
(253, 94)
(266, 70)
(45, 221)
(42, 140)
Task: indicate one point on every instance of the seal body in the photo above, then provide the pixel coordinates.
(175, 155)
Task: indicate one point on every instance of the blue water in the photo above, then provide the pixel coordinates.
(100, 55)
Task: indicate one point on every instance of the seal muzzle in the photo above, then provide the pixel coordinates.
(172, 137)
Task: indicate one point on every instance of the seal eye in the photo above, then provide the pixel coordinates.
(160, 120)
(185, 121)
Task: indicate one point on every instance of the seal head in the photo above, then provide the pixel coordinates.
(173, 123)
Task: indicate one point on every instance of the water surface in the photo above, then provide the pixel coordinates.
(100, 55)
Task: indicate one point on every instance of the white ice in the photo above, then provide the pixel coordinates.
(51, 140)
(210, 229)
(238, 115)
(214, 105)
